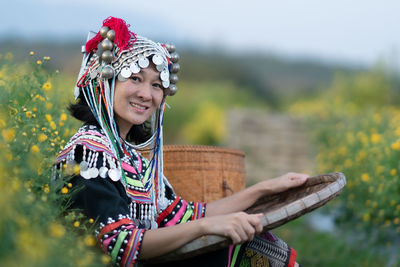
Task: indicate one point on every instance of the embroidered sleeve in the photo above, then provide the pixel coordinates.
(179, 211)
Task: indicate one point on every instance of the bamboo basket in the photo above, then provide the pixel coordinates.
(203, 173)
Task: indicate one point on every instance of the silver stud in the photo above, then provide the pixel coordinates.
(110, 35)
(107, 73)
(106, 44)
(107, 56)
(175, 68)
(172, 89)
(174, 57)
(103, 31)
(173, 78)
(170, 47)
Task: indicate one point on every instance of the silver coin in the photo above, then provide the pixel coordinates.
(147, 224)
(164, 75)
(83, 165)
(114, 174)
(93, 172)
(165, 84)
(103, 172)
(85, 174)
(134, 67)
(143, 62)
(121, 78)
(126, 72)
(93, 74)
(154, 225)
(160, 67)
(157, 59)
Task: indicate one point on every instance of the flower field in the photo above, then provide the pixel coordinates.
(356, 125)
(34, 228)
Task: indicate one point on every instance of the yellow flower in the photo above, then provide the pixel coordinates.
(63, 117)
(396, 221)
(76, 224)
(46, 58)
(365, 177)
(69, 185)
(31, 53)
(395, 145)
(91, 220)
(56, 230)
(35, 149)
(90, 241)
(53, 125)
(77, 169)
(28, 114)
(34, 109)
(8, 134)
(48, 117)
(49, 105)
(366, 217)
(42, 137)
(376, 138)
(47, 86)
(39, 62)
(46, 188)
(393, 172)
(64, 190)
(105, 259)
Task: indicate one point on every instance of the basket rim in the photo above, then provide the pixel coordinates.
(202, 148)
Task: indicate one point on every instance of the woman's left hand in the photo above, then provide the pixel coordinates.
(283, 183)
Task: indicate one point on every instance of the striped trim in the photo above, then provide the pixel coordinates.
(117, 246)
(132, 248)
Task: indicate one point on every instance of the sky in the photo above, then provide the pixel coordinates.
(356, 32)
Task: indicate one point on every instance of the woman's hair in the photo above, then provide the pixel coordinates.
(81, 111)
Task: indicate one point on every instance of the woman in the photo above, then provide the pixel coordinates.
(123, 82)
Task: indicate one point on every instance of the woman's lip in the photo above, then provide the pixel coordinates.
(138, 106)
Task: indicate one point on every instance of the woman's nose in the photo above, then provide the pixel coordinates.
(144, 92)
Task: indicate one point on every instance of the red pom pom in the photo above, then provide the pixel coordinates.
(122, 34)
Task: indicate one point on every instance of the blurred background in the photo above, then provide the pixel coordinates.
(304, 86)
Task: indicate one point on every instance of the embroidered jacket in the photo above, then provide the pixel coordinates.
(124, 211)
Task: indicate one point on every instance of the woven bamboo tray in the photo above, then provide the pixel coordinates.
(277, 208)
(203, 173)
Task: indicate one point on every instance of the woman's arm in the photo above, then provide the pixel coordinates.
(242, 200)
(239, 227)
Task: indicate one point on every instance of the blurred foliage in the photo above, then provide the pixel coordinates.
(356, 125)
(33, 227)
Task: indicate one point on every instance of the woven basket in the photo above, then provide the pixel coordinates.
(277, 209)
(203, 173)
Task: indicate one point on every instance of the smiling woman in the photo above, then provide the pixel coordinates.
(121, 90)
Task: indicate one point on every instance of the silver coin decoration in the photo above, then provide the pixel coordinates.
(134, 67)
(93, 172)
(157, 59)
(103, 172)
(143, 62)
(165, 84)
(174, 57)
(85, 174)
(93, 74)
(83, 165)
(126, 72)
(172, 89)
(160, 67)
(114, 174)
(121, 78)
(164, 75)
(175, 68)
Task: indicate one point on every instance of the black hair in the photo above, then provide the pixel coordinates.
(81, 111)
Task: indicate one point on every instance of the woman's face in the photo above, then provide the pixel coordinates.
(136, 99)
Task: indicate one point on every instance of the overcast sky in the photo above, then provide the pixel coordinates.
(358, 31)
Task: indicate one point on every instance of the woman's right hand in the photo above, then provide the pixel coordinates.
(240, 227)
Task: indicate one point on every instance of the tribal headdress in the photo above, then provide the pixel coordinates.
(116, 53)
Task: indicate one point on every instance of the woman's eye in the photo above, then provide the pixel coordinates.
(135, 78)
(157, 85)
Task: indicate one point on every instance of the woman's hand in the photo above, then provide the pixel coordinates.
(283, 183)
(240, 227)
